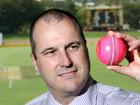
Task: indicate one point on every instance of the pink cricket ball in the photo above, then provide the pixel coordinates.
(110, 50)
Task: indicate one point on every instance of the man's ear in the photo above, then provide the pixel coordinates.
(86, 46)
(34, 62)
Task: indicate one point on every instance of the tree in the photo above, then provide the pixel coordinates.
(17, 13)
(132, 14)
(81, 15)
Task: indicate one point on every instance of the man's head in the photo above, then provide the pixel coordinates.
(54, 15)
(59, 52)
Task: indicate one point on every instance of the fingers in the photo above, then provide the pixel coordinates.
(116, 34)
(128, 38)
(125, 37)
(134, 44)
(136, 55)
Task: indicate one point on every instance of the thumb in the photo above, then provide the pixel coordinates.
(122, 70)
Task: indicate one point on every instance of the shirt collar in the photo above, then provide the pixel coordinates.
(88, 97)
(51, 100)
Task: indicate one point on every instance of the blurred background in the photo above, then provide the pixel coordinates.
(16, 15)
(19, 82)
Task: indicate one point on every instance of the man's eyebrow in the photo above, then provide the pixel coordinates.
(47, 49)
(52, 48)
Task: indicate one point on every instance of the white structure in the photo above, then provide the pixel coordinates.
(104, 16)
(1, 38)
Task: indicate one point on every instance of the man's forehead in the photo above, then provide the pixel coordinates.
(43, 25)
(51, 19)
(63, 27)
(48, 21)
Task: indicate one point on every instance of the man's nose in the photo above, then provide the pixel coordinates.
(65, 60)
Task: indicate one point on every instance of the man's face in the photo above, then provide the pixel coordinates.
(62, 57)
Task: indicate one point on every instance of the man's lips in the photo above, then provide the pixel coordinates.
(65, 70)
(66, 73)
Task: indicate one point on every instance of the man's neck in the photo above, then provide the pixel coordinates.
(67, 98)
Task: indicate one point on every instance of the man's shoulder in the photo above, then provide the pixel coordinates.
(107, 89)
(40, 100)
(117, 95)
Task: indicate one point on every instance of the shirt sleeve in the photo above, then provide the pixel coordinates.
(122, 97)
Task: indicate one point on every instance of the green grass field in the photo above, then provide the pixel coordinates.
(31, 85)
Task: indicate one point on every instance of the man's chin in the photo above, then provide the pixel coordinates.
(73, 89)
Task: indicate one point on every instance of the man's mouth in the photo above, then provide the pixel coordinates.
(68, 74)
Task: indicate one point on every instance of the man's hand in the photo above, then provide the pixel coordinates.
(133, 56)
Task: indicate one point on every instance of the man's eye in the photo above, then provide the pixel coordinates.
(50, 53)
(74, 47)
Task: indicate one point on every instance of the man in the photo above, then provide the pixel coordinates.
(60, 54)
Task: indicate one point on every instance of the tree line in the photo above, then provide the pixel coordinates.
(17, 15)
